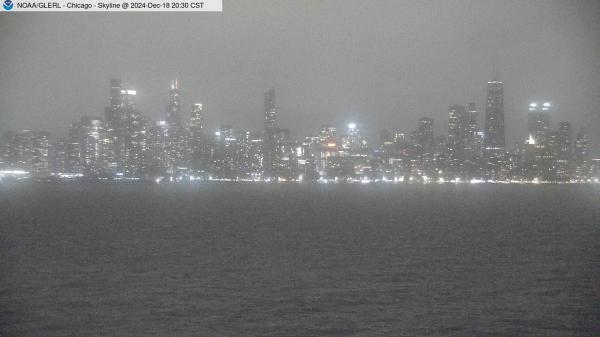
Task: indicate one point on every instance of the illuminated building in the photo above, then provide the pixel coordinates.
(494, 116)
(26, 150)
(174, 106)
(270, 110)
(92, 133)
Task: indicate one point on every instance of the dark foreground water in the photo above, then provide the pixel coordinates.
(289, 260)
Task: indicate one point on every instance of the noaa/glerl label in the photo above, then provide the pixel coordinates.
(112, 5)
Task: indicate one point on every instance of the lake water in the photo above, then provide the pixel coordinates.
(299, 260)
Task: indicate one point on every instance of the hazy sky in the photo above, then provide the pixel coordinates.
(378, 63)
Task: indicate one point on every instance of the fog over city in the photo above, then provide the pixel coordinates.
(381, 64)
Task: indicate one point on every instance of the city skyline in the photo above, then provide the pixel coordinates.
(176, 112)
(406, 61)
(125, 143)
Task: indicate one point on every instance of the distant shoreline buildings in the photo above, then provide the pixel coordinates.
(126, 145)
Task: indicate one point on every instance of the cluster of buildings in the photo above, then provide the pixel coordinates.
(126, 145)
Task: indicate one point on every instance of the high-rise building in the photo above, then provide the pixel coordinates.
(198, 145)
(425, 132)
(112, 143)
(92, 132)
(175, 137)
(565, 140)
(582, 147)
(538, 122)
(197, 117)
(494, 116)
(270, 110)
(457, 126)
(174, 106)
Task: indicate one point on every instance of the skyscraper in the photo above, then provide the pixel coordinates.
(425, 132)
(270, 110)
(565, 140)
(494, 116)
(174, 106)
(457, 126)
(538, 121)
(91, 145)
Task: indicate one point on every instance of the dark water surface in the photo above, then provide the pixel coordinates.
(299, 260)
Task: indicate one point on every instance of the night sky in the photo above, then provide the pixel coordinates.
(377, 63)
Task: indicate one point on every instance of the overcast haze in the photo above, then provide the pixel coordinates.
(378, 63)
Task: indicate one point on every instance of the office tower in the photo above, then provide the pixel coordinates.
(174, 106)
(198, 142)
(424, 143)
(270, 110)
(538, 121)
(565, 140)
(425, 132)
(124, 135)
(112, 143)
(224, 153)
(175, 137)
(197, 117)
(538, 156)
(72, 149)
(156, 149)
(457, 126)
(134, 133)
(249, 154)
(494, 116)
(473, 141)
(92, 133)
(582, 150)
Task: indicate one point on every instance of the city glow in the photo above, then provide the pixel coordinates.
(15, 172)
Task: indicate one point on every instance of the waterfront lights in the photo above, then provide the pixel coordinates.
(15, 172)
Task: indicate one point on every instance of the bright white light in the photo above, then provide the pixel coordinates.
(531, 140)
(533, 105)
(14, 172)
(352, 126)
(218, 133)
(547, 104)
(131, 92)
